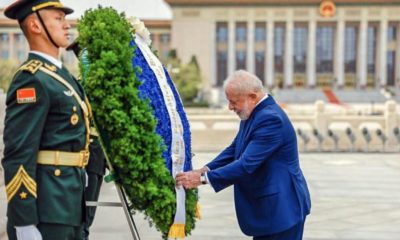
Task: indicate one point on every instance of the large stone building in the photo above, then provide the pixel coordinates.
(292, 44)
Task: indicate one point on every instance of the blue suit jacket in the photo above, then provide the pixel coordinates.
(262, 163)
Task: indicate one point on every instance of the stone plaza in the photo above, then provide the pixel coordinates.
(355, 195)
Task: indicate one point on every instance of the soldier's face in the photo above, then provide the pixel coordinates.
(57, 26)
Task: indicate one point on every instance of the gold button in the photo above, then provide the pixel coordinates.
(91, 140)
(57, 172)
(74, 119)
(74, 108)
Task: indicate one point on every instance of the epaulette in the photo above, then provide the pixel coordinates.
(32, 66)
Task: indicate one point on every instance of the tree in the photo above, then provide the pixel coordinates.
(187, 77)
(7, 71)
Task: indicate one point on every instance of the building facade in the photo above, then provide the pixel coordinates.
(14, 47)
(351, 44)
(338, 44)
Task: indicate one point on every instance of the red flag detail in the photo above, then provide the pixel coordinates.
(26, 95)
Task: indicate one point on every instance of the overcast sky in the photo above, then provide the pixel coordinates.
(143, 9)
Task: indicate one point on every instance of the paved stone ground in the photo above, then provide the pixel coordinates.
(354, 197)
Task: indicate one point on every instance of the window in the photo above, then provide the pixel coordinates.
(260, 49)
(279, 44)
(222, 67)
(325, 38)
(19, 38)
(260, 34)
(222, 32)
(221, 51)
(241, 45)
(392, 32)
(240, 59)
(391, 68)
(350, 49)
(371, 48)
(300, 49)
(4, 38)
(165, 38)
(241, 32)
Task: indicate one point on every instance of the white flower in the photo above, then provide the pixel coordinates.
(140, 29)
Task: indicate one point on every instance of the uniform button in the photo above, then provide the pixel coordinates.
(91, 140)
(57, 172)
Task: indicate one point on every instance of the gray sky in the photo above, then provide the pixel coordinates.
(143, 9)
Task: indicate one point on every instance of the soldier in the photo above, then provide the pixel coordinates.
(46, 134)
(96, 167)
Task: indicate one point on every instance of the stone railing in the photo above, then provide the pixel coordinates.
(318, 127)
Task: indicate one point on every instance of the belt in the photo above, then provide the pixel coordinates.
(59, 158)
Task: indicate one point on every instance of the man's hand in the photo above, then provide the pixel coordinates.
(28, 233)
(188, 179)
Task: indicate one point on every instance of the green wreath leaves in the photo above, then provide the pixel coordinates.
(125, 121)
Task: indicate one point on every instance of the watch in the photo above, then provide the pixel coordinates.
(203, 178)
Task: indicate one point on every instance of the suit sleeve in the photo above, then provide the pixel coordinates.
(24, 123)
(224, 158)
(265, 139)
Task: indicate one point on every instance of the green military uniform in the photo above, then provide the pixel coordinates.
(46, 141)
(95, 170)
(46, 148)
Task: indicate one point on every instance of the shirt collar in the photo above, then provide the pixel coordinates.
(49, 58)
(262, 99)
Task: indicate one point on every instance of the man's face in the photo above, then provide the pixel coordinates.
(239, 103)
(57, 26)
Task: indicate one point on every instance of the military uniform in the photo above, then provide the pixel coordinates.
(95, 170)
(46, 138)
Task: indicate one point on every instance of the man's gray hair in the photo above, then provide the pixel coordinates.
(244, 82)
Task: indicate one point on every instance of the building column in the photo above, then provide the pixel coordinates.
(250, 47)
(231, 48)
(382, 53)
(362, 56)
(311, 56)
(269, 60)
(288, 66)
(339, 53)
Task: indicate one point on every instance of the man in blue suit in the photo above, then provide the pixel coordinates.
(271, 194)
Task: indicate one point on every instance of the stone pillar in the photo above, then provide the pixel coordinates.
(250, 47)
(362, 52)
(311, 56)
(231, 48)
(390, 121)
(382, 52)
(339, 53)
(269, 61)
(288, 66)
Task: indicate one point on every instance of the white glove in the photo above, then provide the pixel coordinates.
(29, 232)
